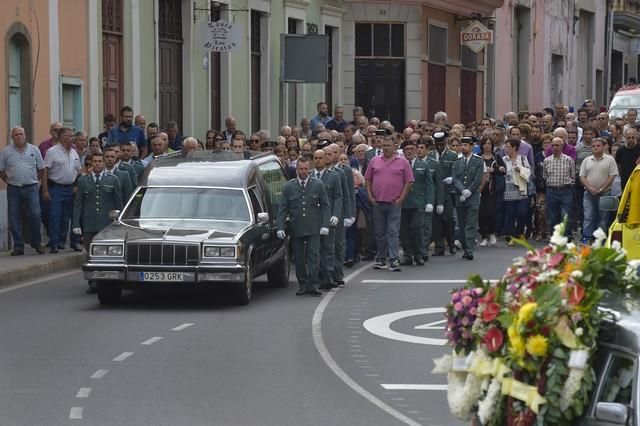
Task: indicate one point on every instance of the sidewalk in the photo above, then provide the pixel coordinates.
(14, 269)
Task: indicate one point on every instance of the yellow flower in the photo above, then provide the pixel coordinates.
(512, 331)
(537, 345)
(517, 347)
(526, 312)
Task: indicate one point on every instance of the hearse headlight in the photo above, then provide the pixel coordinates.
(116, 250)
(213, 251)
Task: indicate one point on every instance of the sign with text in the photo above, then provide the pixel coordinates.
(220, 36)
(476, 36)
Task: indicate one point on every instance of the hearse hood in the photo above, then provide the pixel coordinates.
(172, 230)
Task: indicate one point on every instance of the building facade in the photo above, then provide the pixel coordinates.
(625, 48)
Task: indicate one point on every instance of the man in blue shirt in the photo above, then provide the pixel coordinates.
(126, 131)
(322, 117)
(337, 123)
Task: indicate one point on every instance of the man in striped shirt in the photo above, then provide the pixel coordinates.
(62, 167)
(559, 176)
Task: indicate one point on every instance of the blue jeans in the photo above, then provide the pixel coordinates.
(559, 204)
(516, 216)
(594, 218)
(61, 213)
(27, 196)
(386, 218)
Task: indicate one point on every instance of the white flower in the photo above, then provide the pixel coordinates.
(463, 393)
(571, 246)
(577, 274)
(600, 237)
(559, 240)
(616, 245)
(579, 331)
(487, 407)
(571, 385)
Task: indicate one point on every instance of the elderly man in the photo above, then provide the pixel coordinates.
(21, 165)
(62, 167)
(230, 124)
(567, 148)
(158, 148)
(440, 118)
(285, 131)
(189, 144)
(337, 123)
(559, 177)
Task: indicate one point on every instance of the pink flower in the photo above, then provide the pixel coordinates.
(473, 311)
(464, 321)
(479, 291)
(458, 307)
(466, 300)
(493, 339)
(555, 260)
(491, 312)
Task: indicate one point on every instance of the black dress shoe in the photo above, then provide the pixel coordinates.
(419, 262)
(301, 292)
(407, 262)
(17, 252)
(425, 258)
(348, 263)
(452, 250)
(314, 293)
(438, 253)
(39, 249)
(53, 250)
(76, 248)
(339, 283)
(467, 255)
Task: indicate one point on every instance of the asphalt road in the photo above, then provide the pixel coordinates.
(184, 359)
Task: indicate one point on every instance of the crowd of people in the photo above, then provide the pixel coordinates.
(430, 188)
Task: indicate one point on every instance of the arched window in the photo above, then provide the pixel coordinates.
(19, 80)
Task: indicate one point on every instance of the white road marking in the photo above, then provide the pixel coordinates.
(99, 374)
(151, 341)
(83, 393)
(419, 281)
(123, 356)
(381, 326)
(12, 287)
(413, 387)
(182, 326)
(76, 413)
(431, 325)
(318, 340)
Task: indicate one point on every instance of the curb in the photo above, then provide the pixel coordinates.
(46, 267)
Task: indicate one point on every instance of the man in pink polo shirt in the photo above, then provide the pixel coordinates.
(389, 178)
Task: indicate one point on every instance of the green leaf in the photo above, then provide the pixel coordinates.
(559, 353)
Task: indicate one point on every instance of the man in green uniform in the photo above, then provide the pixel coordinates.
(424, 146)
(97, 193)
(333, 187)
(304, 203)
(443, 223)
(419, 201)
(111, 166)
(349, 216)
(126, 158)
(467, 177)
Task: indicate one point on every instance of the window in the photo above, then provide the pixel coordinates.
(255, 203)
(276, 179)
(71, 100)
(328, 87)
(437, 45)
(468, 58)
(18, 79)
(15, 85)
(380, 40)
(256, 69)
(618, 381)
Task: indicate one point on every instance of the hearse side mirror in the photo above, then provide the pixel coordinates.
(612, 412)
(113, 215)
(263, 217)
(609, 203)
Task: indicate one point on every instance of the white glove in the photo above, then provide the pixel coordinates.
(333, 221)
(466, 193)
(77, 231)
(447, 180)
(463, 198)
(429, 208)
(439, 209)
(324, 231)
(281, 234)
(348, 221)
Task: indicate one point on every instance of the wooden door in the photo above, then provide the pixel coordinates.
(436, 89)
(170, 55)
(467, 96)
(380, 89)
(112, 56)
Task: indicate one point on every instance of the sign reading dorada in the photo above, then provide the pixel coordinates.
(221, 36)
(476, 36)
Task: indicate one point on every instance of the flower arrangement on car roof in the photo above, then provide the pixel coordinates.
(523, 346)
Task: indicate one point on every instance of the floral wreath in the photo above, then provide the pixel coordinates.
(523, 346)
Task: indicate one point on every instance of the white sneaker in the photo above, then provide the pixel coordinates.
(458, 244)
(492, 240)
(483, 243)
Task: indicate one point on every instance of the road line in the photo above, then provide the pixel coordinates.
(76, 413)
(11, 287)
(318, 340)
(182, 326)
(99, 374)
(419, 281)
(83, 393)
(413, 387)
(151, 341)
(123, 356)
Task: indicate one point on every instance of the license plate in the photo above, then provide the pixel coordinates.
(161, 276)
